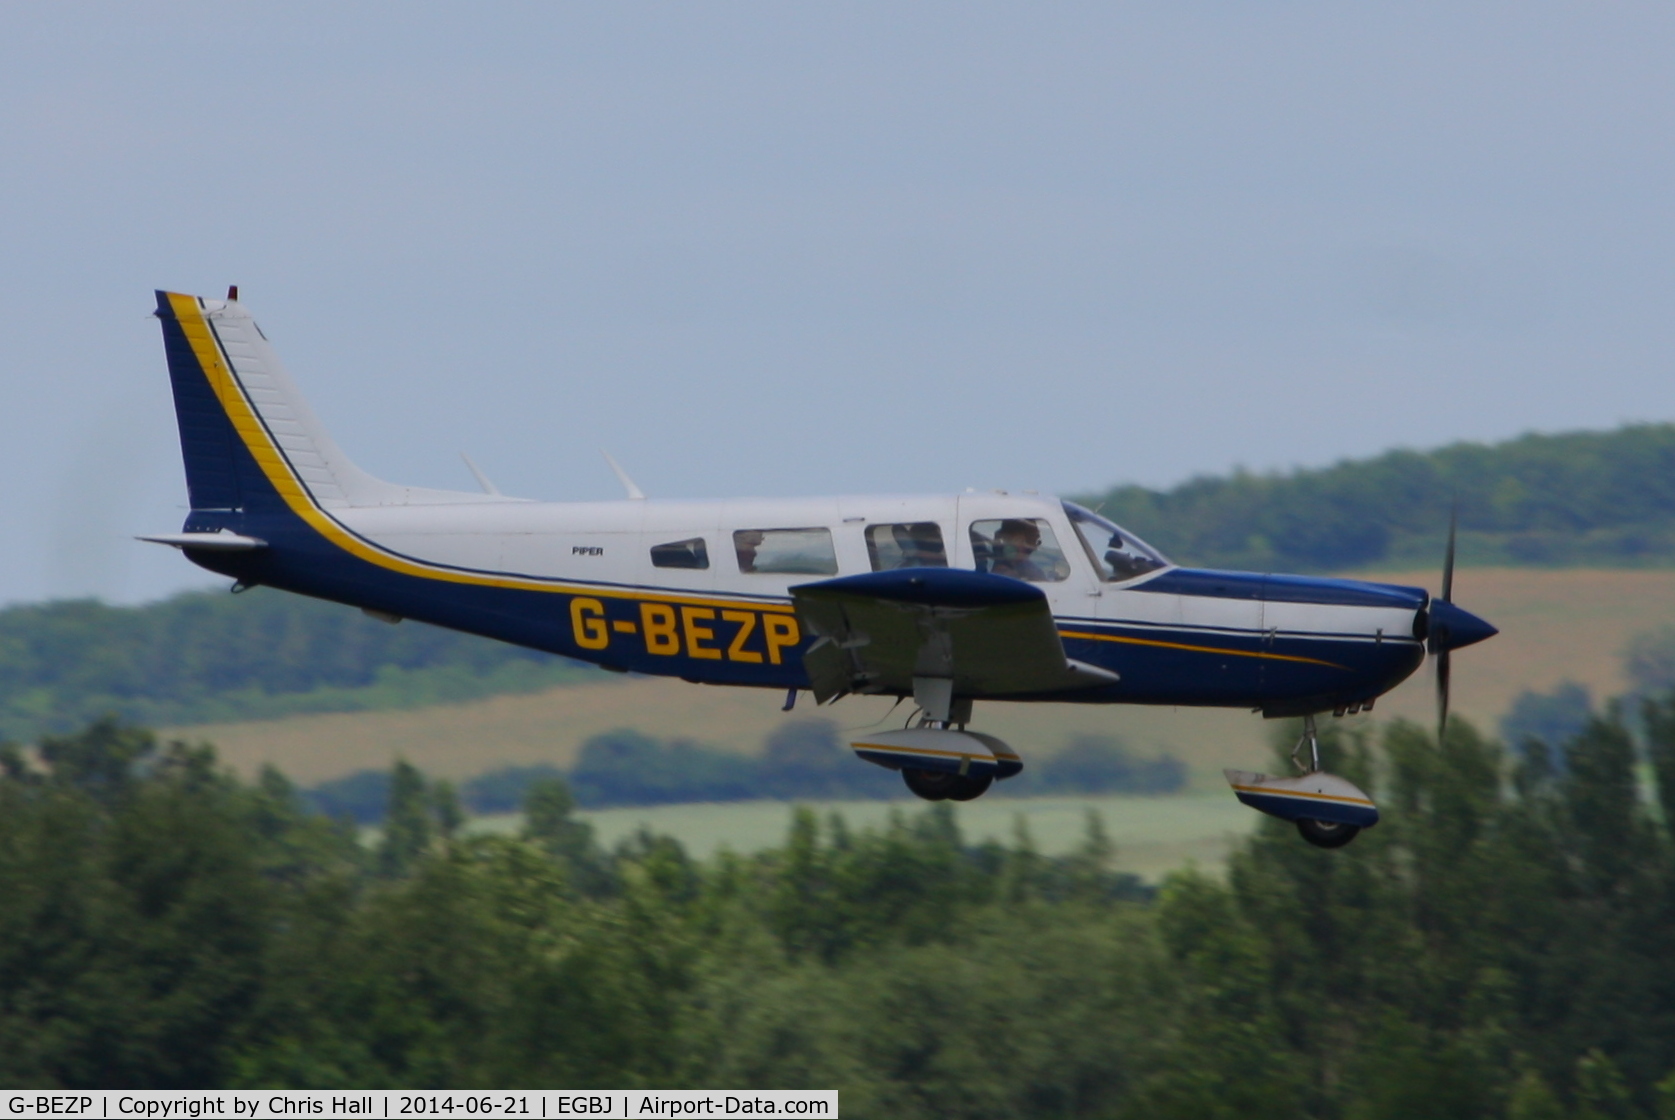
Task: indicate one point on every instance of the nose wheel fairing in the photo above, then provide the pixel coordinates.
(1317, 796)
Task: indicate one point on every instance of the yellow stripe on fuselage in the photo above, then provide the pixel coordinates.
(205, 346)
(1198, 649)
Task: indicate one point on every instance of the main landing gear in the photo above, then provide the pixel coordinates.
(1329, 811)
(941, 763)
(939, 759)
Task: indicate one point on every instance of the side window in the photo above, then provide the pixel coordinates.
(1118, 554)
(689, 553)
(1020, 547)
(915, 544)
(805, 552)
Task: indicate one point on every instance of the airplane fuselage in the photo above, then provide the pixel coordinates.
(584, 579)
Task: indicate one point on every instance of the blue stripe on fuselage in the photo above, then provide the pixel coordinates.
(1273, 588)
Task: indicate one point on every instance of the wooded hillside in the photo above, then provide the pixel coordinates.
(1583, 499)
(205, 656)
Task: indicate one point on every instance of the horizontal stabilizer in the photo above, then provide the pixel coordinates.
(222, 541)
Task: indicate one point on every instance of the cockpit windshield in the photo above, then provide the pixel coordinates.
(1118, 554)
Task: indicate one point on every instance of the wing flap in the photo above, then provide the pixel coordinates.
(990, 635)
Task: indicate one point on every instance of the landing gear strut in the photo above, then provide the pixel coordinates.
(1322, 834)
(1311, 740)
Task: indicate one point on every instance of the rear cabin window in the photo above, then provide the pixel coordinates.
(912, 544)
(802, 552)
(1021, 547)
(689, 553)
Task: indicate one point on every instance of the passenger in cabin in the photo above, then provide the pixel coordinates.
(791, 552)
(907, 544)
(921, 545)
(1015, 542)
(745, 543)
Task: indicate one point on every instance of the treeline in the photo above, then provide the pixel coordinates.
(1497, 947)
(207, 656)
(801, 760)
(1580, 499)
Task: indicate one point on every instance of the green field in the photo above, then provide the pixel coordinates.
(1153, 835)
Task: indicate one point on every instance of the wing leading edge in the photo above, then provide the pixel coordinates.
(987, 634)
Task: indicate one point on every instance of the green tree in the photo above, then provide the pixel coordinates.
(407, 824)
(1531, 1099)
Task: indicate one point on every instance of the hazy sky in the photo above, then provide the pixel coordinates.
(786, 248)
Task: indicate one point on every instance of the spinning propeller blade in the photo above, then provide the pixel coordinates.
(1439, 641)
(1448, 559)
(1443, 670)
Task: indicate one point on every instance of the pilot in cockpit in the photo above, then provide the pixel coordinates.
(1015, 542)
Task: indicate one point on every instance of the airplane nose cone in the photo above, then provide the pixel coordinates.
(1452, 628)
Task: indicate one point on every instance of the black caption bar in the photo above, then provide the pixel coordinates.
(598, 1104)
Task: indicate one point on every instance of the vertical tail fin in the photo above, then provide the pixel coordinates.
(247, 435)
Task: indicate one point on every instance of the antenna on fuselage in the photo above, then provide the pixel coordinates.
(482, 479)
(634, 492)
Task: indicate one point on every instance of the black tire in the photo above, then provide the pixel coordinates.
(1327, 834)
(932, 785)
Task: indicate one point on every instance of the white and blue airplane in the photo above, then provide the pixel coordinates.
(947, 599)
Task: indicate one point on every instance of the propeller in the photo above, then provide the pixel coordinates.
(1437, 638)
(1447, 627)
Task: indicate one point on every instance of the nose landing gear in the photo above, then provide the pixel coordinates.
(939, 785)
(1329, 811)
(1326, 834)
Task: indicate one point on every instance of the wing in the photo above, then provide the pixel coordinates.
(990, 635)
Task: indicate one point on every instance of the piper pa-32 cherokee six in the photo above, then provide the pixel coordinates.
(947, 599)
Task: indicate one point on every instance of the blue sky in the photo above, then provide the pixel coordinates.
(779, 249)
